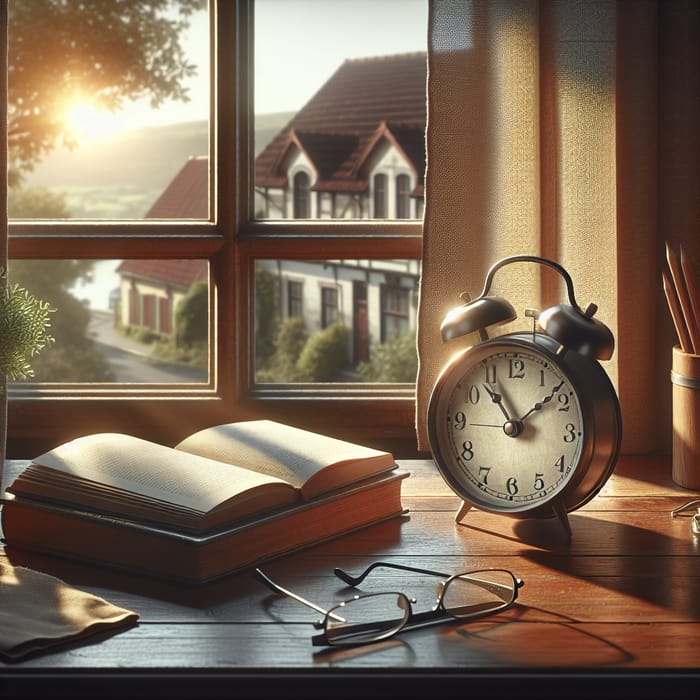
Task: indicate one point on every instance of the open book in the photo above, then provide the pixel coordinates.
(225, 498)
(212, 478)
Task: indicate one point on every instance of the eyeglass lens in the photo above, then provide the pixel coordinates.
(367, 618)
(478, 592)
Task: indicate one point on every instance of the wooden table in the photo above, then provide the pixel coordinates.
(613, 613)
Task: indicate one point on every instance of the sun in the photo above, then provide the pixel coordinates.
(85, 120)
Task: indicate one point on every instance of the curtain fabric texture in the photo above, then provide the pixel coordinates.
(567, 130)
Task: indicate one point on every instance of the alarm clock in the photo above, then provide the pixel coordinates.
(525, 424)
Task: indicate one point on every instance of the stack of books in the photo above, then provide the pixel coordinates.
(224, 499)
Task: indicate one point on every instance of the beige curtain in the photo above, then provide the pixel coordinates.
(567, 130)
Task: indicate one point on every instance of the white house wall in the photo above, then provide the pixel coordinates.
(146, 289)
(341, 274)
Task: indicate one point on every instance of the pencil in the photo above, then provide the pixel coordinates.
(683, 300)
(691, 286)
(676, 315)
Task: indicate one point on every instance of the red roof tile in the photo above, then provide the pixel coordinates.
(187, 195)
(338, 123)
(365, 99)
(181, 273)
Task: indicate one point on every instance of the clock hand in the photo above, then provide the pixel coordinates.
(540, 404)
(497, 399)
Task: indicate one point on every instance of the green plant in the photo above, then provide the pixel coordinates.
(24, 324)
(192, 316)
(267, 314)
(393, 361)
(324, 353)
(289, 342)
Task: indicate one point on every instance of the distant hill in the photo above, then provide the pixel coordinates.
(121, 176)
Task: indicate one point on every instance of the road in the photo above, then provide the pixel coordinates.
(130, 361)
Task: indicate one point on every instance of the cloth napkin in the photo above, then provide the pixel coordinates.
(39, 612)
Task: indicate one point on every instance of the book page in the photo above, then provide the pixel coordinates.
(139, 466)
(313, 462)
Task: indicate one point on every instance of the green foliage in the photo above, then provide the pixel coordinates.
(324, 353)
(78, 362)
(393, 361)
(36, 202)
(147, 336)
(189, 345)
(196, 355)
(24, 324)
(299, 357)
(266, 314)
(192, 316)
(74, 357)
(289, 342)
(111, 52)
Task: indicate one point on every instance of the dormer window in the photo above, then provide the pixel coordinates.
(302, 196)
(403, 197)
(380, 196)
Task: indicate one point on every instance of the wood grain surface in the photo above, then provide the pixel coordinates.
(616, 609)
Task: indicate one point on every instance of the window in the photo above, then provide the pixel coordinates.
(395, 307)
(329, 306)
(295, 299)
(230, 238)
(403, 197)
(302, 196)
(380, 196)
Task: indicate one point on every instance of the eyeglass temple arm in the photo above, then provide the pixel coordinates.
(686, 506)
(355, 580)
(283, 591)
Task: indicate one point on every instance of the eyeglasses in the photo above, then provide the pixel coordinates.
(373, 617)
(695, 522)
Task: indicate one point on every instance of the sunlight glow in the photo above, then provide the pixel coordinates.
(85, 120)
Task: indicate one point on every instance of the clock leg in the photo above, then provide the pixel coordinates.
(462, 511)
(560, 513)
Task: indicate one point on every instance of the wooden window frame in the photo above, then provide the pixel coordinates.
(43, 415)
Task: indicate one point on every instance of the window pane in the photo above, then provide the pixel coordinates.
(336, 320)
(142, 321)
(344, 105)
(107, 104)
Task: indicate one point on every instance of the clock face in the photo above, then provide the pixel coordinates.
(506, 424)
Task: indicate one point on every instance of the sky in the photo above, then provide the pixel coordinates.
(298, 45)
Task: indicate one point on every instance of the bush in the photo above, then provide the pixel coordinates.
(192, 316)
(289, 342)
(393, 361)
(266, 314)
(325, 352)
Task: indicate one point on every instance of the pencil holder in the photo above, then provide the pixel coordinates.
(685, 377)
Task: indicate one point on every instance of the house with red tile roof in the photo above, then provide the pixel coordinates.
(355, 150)
(150, 290)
